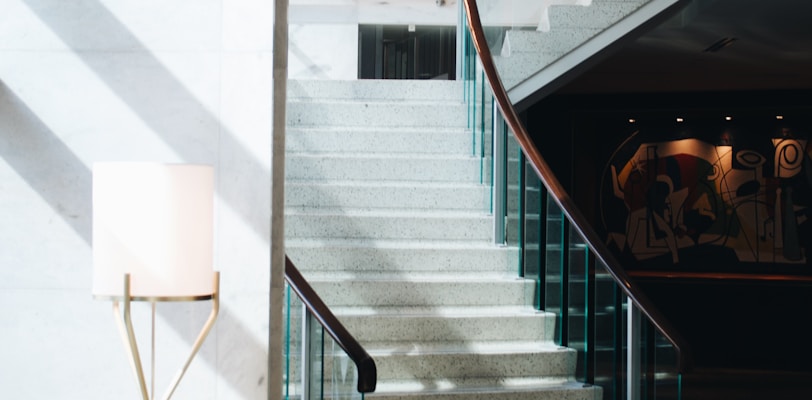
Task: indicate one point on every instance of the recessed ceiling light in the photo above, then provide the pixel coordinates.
(728, 118)
(679, 119)
(779, 117)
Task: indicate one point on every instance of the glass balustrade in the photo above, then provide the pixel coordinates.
(315, 366)
(594, 316)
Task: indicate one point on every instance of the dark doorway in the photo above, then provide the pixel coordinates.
(406, 52)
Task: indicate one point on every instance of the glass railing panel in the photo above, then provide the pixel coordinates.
(478, 98)
(554, 267)
(341, 375)
(293, 317)
(315, 366)
(533, 250)
(516, 219)
(608, 309)
(665, 381)
(579, 314)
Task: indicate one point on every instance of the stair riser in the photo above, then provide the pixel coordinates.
(388, 227)
(338, 114)
(436, 294)
(438, 328)
(424, 141)
(320, 168)
(403, 260)
(552, 363)
(398, 90)
(469, 198)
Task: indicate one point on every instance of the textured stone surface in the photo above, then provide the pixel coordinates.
(400, 246)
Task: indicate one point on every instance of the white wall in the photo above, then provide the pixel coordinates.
(116, 80)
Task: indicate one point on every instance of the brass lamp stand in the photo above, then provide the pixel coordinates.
(125, 327)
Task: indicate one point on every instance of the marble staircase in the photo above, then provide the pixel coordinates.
(386, 218)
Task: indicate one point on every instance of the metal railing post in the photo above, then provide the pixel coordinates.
(499, 176)
(306, 364)
(632, 351)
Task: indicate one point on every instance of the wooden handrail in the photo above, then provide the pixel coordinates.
(367, 372)
(565, 202)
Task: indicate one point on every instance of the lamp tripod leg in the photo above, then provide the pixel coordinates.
(215, 309)
(125, 327)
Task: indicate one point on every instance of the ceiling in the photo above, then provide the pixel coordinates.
(772, 49)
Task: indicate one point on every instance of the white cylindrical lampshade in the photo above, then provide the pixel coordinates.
(155, 222)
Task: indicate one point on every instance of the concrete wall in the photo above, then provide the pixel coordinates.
(114, 80)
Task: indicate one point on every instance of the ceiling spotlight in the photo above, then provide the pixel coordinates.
(728, 118)
(779, 117)
(632, 120)
(679, 119)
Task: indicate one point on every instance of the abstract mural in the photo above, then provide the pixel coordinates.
(664, 200)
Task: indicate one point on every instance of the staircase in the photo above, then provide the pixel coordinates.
(386, 218)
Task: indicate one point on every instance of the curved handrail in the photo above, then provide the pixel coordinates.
(568, 207)
(367, 372)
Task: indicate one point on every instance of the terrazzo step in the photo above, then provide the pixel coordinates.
(427, 140)
(371, 89)
(359, 224)
(381, 167)
(400, 256)
(447, 196)
(439, 324)
(479, 389)
(557, 41)
(340, 113)
(519, 66)
(434, 290)
(466, 360)
(600, 14)
(386, 219)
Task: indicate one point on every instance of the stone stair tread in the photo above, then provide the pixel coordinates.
(387, 156)
(439, 130)
(479, 385)
(382, 184)
(379, 212)
(382, 349)
(443, 311)
(371, 88)
(361, 102)
(394, 244)
(385, 276)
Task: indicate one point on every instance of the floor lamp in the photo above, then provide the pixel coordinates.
(152, 241)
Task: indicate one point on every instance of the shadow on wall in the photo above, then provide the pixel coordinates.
(64, 181)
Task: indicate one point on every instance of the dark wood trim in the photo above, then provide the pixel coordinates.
(722, 276)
